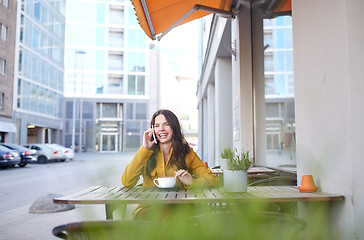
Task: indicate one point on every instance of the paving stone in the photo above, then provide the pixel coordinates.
(45, 205)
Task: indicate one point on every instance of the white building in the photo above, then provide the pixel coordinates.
(106, 70)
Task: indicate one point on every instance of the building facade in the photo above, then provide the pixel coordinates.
(39, 67)
(106, 77)
(7, 56)
(223, 100)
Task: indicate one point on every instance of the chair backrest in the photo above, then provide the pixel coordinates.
(247, 225)
(108, 229)
(276, 181)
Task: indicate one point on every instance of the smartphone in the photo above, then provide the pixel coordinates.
(153, 138)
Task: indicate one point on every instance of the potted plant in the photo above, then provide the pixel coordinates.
(236, 178)
(224, 156)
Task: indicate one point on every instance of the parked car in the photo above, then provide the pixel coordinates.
(44, 153)
(56, 151)
(8, 157)
(68, 153)
(26, 155)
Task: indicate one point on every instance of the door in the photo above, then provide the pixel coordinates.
(109, 142)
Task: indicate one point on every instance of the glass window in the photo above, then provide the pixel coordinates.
(2, 95)
(3, 32)
(131, 85)
(87, 108)
(69, 109)
(279, 92)
(132, 141)
(41, 102)
(25, 95)
(141, 111)
(141, 85)
(99, 83)
(33, 98)
(115, 84)
(132, 18)
(136, 61)
(2, 66)
(136, 39)
(116, 39)
(116, 15)
(129, 111)
(109, 110)
(132, 127)
(37, 10)
(136, 85)
(100, 13)
(116, 61)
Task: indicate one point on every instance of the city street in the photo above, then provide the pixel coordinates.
(21, 187)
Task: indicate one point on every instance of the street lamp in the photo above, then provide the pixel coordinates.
(74, 100)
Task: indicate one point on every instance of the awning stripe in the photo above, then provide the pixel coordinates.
(160, 16)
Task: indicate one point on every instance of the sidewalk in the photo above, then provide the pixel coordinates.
(19, 224)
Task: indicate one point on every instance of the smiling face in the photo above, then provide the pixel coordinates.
(162, 129)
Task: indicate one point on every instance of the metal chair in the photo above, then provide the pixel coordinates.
(247, 225)
(110, 230)
(276, 181)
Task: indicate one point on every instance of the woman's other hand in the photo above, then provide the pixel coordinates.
(184, 176)
(147, 143)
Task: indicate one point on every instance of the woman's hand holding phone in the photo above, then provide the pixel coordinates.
(149, 138)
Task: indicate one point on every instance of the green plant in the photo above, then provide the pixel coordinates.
(240, 161)
(227, 153)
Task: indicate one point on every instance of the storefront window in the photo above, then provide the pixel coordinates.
(279, 93)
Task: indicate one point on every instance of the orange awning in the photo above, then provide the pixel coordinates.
(160, 16)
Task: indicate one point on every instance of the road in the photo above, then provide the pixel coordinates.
(23, 186)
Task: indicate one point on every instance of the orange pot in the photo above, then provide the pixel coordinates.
(307, 184)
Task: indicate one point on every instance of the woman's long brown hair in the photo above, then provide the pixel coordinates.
(179, 143)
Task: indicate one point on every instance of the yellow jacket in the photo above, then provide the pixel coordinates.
(202, 176)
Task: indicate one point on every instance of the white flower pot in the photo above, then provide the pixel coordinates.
(235, 181)
(223, 164)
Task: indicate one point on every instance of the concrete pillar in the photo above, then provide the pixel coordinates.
(203, 144)
(260, 144)
(223, 104)
(40, 135)
(210, 125)
(242, 84)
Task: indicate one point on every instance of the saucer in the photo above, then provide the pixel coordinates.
(168, 188)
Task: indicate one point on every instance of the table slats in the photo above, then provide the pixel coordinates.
(143, 195)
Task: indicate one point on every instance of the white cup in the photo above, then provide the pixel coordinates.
(165, 182)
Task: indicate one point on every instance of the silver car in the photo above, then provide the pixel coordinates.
(44, 153)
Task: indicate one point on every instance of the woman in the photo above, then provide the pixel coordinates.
(169, 155)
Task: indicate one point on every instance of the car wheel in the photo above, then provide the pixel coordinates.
(22, 164)
(42, 159)
(4, 167)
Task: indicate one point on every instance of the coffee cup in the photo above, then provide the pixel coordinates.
(165, 182)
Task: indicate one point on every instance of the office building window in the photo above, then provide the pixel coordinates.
(116, 38)
(136, 61)
(140, 111)
(5, 3)
(136, 85)
(3, 32)
(2, 66)
(116, 15)
(115, 84)
(2, 95)
(116, 61)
